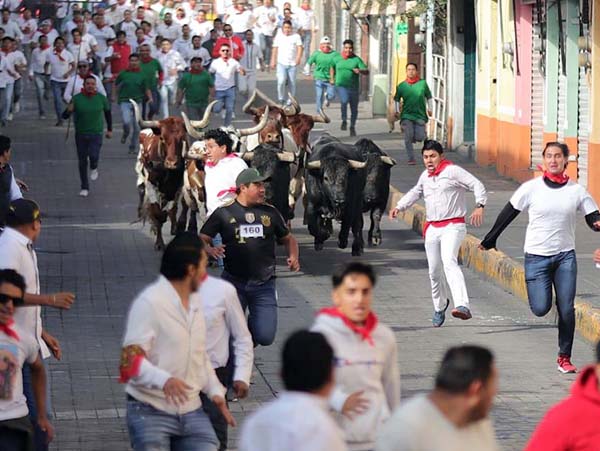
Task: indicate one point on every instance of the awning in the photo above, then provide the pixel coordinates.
(377, 7)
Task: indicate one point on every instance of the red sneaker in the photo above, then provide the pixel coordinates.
(564, 364)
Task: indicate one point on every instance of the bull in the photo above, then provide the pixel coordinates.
(377, 187)
(160, 169)
(334, 190)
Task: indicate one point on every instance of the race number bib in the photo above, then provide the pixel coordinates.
(251, 230)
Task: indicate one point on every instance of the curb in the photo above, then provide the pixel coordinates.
(500, 268)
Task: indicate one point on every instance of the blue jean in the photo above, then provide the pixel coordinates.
(348, 96)
(261, 302)
(153, 430)
(266, 45)
(560, 271)
(88, 147)
(39, 435)
(130, 125)
(323, 87)
(167, 97)
(413, 131)
(152, 108)
(42, 84)
(8, 100)
(58, 90)
(306, 41)
(226, 98)
(286, 75)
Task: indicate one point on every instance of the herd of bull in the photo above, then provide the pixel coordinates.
(339, 181)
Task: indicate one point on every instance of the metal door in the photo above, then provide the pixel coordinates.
(537, 94)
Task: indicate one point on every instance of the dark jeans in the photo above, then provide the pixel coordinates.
(58, 91)
(560, 271)
(267, 49)
(40, 437)
(261, 302)
(16, 435)
(214, 414)
(195, 113)
(88, 147)
(348, 96)
(150, 110)
(413, 131)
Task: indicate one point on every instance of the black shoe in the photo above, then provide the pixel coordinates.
(59, 123)
(352, 131)
(344, 126)
(123, 138)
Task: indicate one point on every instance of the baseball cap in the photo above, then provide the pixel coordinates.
(23, 211)
(325, 40)
(46, 22)
(248, 176)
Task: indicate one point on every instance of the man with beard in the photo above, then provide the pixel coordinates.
(454, 416)
(164, 360)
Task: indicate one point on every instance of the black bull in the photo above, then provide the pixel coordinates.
(334, 189)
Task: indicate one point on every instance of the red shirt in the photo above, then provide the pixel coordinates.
(235, 44)
(120, 63)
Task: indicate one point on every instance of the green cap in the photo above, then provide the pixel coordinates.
(248, 176)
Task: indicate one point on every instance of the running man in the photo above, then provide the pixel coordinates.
(324, 60)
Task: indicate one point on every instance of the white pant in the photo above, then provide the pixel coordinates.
(247, 83)
(441, 246)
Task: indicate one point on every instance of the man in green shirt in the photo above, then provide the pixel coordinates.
(132, 84)
(413, 108)
(196, 86)
(346, 76)
(89, 107)
(324, 60)
(153, 70)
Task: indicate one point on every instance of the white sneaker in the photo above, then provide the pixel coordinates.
(232, 115)
(84, 193)
(17, 107)
(10, 116)
(223, 113)
(94, 174)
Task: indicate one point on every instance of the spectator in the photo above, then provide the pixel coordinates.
(168, 29)
(9, 189)
(200, 51)
(240, 19)
(266, 21)
(307, 23)
(200, 26)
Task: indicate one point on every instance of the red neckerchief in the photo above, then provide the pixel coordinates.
(225, 58)
(146, 60)
(210, 164)
(561, 179)
(59, 55)
(8, 330)
(364, 331)
(143, 40)
(196, 72)
(231, 190)
(305, 7)
(6, 52)
(325, 48)
(44, 47)
(437, 171)
(347, 55)
(412, 81)
(131, 69)
(88, 94)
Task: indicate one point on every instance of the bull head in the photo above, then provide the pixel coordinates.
(191, 126)
(353, 164)
(138, 117)
(388, 160)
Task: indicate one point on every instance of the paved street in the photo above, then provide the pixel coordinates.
(90, 246)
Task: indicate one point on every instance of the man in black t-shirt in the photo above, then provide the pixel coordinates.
(250, 229)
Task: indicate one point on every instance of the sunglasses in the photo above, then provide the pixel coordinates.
(227, 29)
(82, 66)
(224, 51)
(4, 298)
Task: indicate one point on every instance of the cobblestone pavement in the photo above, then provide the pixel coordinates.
(90, 246)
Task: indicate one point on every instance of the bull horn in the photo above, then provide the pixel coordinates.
(266, 99)
(248, 108)
(295, 103)
(138, 117)
(190, 129)
(203, 123)
(388, 160)
(286, 157)
(357, 164)
(248, 156)
(184, 149)
(258, 127)
(314, 164)
(321, 117)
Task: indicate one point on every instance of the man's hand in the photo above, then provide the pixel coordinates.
(356, 70)
(108, 134)
(53, 344)
(175, 391)
(597, 256)
(273, 66)
(216, 251)
(355, 405)
(476, 218)
(45, 425)
(596, 225)
(22, 185)
(219, 401)
(293, 263)
(393, 214)
(241, 389)
(62, 300)
(242, 71)
(172, 72)
(429, 113)
(397, 115)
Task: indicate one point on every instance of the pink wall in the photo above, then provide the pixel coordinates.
(523, 18)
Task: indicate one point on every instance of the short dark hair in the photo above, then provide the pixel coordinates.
(73, 31)
(306, 361)
(217, 20)
(145, 22)
(58, 39)
(134, 55)
(431, 144)
(184, 250)
(287, 22)
(412, 64)
(353, 268)
(14, 278)
(463, 365)
(163, 40)
(348, 41)
(121, 33)
(196, 36)
(89, 77)
(221, 137)
(196, 58)
(4, 144)
(562, 146)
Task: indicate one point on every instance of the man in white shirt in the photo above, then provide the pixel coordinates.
(454, 416)
(164, 361)
(10, 75)
(198, 51)
(443, 186)
(225, 319)
(62, 66)
(299, 419)
(11, 27)
(101, 31)
(39, 74)
(140, 39)
(128, 25)
(181, 17)
(16, 252)
(225, 69)
(80, 49)
(28, 26)
(307, 23)
(183, 44)
(18, 349)
(172, 63)
(45, 30)
(240, 19)
(75, 84)
(9, 189)
(287, 53)
(200, 26)
(17, 63)
(251, 61)
(168, 29)
(266, 21)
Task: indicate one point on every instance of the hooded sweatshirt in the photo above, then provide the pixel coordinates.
(572, 424)
(360, 365)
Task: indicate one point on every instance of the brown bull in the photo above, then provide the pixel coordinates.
(194, 196)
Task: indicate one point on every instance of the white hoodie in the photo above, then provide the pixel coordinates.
(362, 366)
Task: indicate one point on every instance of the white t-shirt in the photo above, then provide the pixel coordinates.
(201, 29)
(220, 181)
(59, 65)
(52, 35)
(552, 214)
(170, 32)
(286, 48)
(80, 51)
(266, 19)
(240, 21)
(418, 425)
(28, 29)
(101, 35)
(224, 73)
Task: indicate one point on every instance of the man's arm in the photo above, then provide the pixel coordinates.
(291, 246)
(38, 379)
(242, 339)
(62, 300)
(299, 50)
(274, 52)
(413, 195)
(506, 216)
(15, 191)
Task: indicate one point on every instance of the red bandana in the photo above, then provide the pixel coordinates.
(346, 54)
(412, 81)
(437, 171)
(59, 55)
(305, 7)
(364, 331)
(196, 72)
(561, 179)
(8, 330)
(44, 47)
(131, 69)
(88, 94)
(146, 60)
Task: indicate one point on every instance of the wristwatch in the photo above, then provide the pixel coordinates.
(480, 206)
